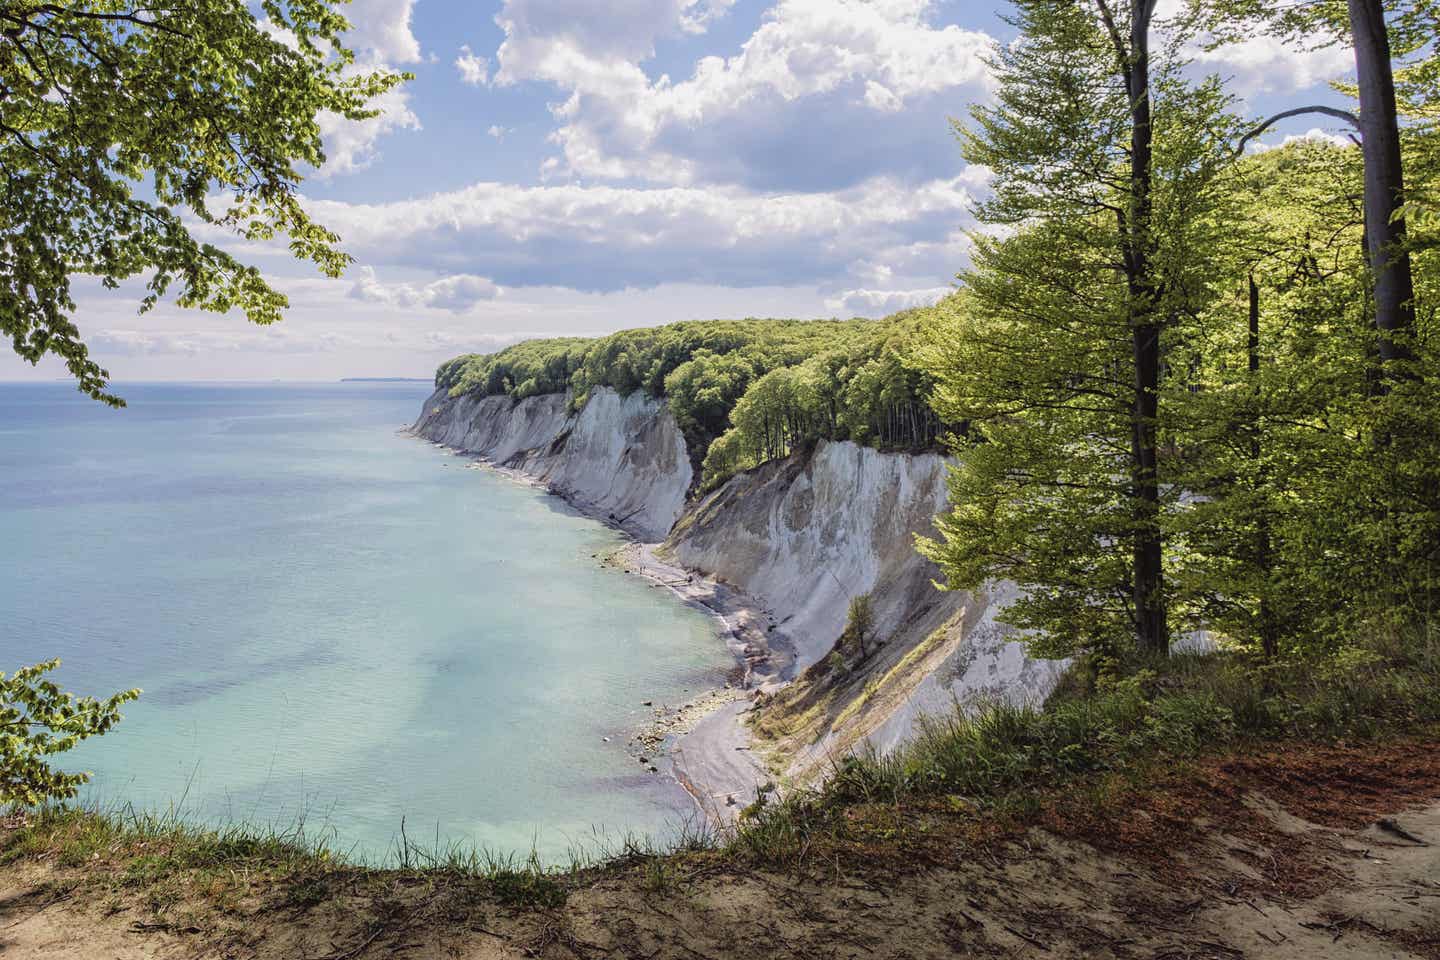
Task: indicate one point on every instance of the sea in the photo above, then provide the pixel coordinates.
(337, 627)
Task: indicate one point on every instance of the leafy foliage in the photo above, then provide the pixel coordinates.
(202, 108)
(742, 392)
(39, 720)
(1301, 493)
(1041, 355)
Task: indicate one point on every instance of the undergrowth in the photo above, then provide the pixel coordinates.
(1001, 755)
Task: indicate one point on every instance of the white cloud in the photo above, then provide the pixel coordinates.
(473, 70)
(499, 132)
(380, 31)
(381, 38)
(1266, 64)
(352, 145)
(878, 303)
(786, 108)
(1313, 135)
(456, 293)
(610, 238)
(138, 342)
(699, 14)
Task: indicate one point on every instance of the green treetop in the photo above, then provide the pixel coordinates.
(124, 126)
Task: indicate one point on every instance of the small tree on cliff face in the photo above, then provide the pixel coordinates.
(860, 623)
(191, 101)
(39, 720)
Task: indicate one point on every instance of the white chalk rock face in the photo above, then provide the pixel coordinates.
(802, 536)
(807, 534)
(618, 457)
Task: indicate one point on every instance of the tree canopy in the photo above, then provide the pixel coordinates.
(1296, 498)
(131, 133)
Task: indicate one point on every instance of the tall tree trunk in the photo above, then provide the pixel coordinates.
(1269, 644)
(1152, 632)
(1384, 178)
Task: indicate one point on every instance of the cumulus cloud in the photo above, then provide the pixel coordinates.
(454, 293)
(1313, 135)
(352, 145)
(603, 238)
(878, 303)
(1266, 64)
(380, 31)
(473, 70)
(499, 132)
(782, 113)
(381, 38)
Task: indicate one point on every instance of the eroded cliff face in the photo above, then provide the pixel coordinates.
(807, 534)
(801, 536)
(618, 457)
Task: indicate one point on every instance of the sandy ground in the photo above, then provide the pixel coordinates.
(1336, 859)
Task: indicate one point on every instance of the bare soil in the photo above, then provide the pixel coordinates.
(1303, 853)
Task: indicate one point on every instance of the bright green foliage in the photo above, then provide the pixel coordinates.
(741, 391)
(1304, 501)
(118, 123)
(640, 359)
(1316, 493)
(1038, 354)
(1267, 428)
(39, 720)
(870, 393)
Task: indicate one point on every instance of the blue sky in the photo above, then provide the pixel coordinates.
(573, 166)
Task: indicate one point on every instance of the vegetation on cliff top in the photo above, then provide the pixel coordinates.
(741, 391)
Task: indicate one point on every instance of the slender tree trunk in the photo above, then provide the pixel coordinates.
(1269, 644)
(1152, 632)
(1384, 178)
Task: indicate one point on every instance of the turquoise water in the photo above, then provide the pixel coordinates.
(333, 620)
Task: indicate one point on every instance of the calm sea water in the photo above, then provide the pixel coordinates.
(332, 620)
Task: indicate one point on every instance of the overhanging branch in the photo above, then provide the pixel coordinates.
(1335, 112)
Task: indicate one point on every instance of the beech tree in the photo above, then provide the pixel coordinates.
(1095, 253)
(126, 126)
(39, 720)
(1379, 32)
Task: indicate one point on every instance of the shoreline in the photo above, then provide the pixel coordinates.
(705, 739)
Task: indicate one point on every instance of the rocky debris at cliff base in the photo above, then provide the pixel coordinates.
(761, 647)
(666, 722)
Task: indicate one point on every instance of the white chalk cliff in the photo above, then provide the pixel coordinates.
(801, 536)
(618, 457)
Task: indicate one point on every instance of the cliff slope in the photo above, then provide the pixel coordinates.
(807, 534)
(618, 457)
(800, 536)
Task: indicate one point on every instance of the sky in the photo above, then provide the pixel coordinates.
(580, 166)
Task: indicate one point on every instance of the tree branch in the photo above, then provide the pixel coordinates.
(1122, 56)
(1339, 114)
